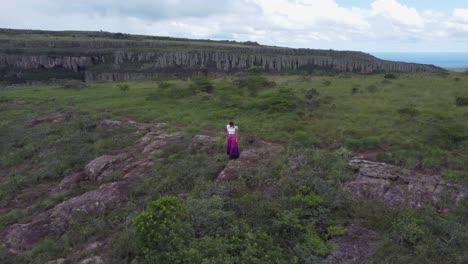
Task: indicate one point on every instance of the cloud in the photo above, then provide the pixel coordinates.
(399, 13)
(382, 25)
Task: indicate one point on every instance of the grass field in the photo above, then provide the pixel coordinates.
(418, 121)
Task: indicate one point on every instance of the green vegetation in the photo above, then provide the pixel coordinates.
(272, 213)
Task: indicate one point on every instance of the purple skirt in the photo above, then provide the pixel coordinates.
(232, 148)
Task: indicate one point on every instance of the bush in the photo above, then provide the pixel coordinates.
(363, 143)
(309, 200)
(165, 85)
(355, 90)
(372, 88)
(390, 76)
(254, 84)
(74, 85)
(327, 83)
(312, 93)
(162, 232)
(334, 231)
(256, 69)
(123, 87)
(201, 84)
(312, 240)
(461, 101)
(283, 100)
(456, 176)
(408, 111)
(407, 229)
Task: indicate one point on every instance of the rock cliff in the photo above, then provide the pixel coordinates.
(95, 56)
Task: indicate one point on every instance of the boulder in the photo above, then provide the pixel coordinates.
(96, 168)
(156, 140)
(72, 181)
(112, 123)
(20, 237)
(138, 169)
(90, 203)
(50, 118)
(401, 187)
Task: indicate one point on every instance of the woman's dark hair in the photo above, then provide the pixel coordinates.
(231, 124)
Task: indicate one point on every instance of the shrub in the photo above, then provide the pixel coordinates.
(334, 231)
(355, 90)
(74, 85)
(390, 76)
(312, 93)
(327, 83)
(456, 176)
(457, 79)
(253, 84)
(408, 111)
(447, 134)
(162, 232)
(461, 101)
(364, 143)
(256, 69)
(201, 84)
(372, 88)
(123, 87)
(283, 100)
(313, 241)
(165, 85)
(407, 229)
(309, 200)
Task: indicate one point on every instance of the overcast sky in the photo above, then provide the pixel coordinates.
(367, 25)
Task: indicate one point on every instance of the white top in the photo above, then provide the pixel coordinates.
(231, 130)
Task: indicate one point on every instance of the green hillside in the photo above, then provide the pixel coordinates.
(166, 193)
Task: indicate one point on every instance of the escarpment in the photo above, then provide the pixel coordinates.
(31, 55)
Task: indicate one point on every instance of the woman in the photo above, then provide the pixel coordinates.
(232, 137)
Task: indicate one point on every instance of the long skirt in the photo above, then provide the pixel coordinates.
(232, 148)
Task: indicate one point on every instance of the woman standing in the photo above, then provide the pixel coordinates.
(232, 137)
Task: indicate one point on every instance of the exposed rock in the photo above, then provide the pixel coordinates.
(92, 260)
(106, 59)
(157, 140)
(249, 159)
(296, 163)
(357, 246)
(71, 181)
(112, 123)
(19, 102)
(93, 202)
(138, 169)
(401, 187)
(202, 142)
(19, 237)
(58, 261)
(96, 168)
(205, 139)
(50, 118)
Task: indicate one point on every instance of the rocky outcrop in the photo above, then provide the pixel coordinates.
(50, 118)
(249, 159)
(135, 162)
(401, 187)
(127, 59)
(101, 167)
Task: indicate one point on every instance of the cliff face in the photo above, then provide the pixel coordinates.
(94, 59)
